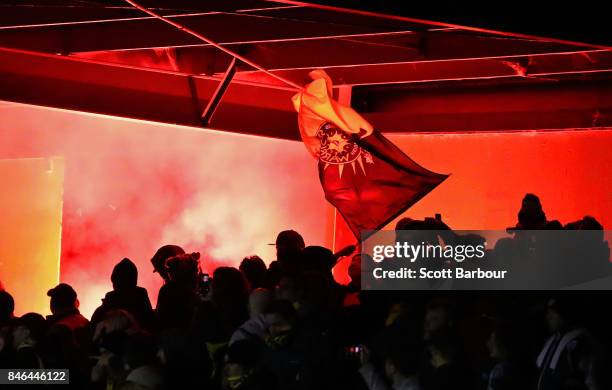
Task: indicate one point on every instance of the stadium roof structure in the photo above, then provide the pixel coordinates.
(406, 71)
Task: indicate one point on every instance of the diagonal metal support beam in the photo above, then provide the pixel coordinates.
(201, 37)
(422, 21)
(146, 94)
(213, 103)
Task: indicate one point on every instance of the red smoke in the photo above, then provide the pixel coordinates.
(132, 186)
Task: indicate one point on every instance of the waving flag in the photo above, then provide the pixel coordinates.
(365, 176)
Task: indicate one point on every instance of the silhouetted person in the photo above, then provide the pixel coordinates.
(255, 327)
(531, 216)
(28, 332)
(227, 309)
(291, 288)
(60, 351)
(320, 261)
(7, 307)
(401, 363)
(511, 369)
(109, 370)
(354, 272)
(288, 242)
(353, 288)
(406, 230)
(65, 311)
(126, 295)
(289, 245)
(185, 360)
(254, 269)
(295, 352)
(280, 358)
(178, 298)
(318, 258)
(230, 294)
(588, 252)
(242, 371)
(447, 367)
(110, 341)
(140, 361)
(161, 256)
(259, 302)
(569, 359)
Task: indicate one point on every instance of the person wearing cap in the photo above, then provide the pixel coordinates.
(288, 242)
(161, 256)
(65, 310)
(178, 297)
(289, 245)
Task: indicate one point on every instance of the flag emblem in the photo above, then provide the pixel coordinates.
(338, 148)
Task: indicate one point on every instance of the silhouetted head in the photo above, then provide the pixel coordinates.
(63, 298)
(440, 321)
(318, 258)
(229, 287)
(241, 360)
(184, 268)
(254, 269)
(159, 259)
(281, 318)
(117, 320)
(7, 306)
(29, 330)
(290, 287)
(505, 341)
(531, 215)
(553, 225)
(416, 231)
(125, 275)
(590, 223)
(406, 224)
(288, 243)
(563, 313)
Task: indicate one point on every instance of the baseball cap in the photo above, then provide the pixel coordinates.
(63, 294)
(164, 253)
(290, 239)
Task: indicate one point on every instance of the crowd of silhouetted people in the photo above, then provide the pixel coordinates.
(290, 325)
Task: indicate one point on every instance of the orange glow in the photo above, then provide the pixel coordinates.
(490, 174)
(30, 230)
(131, 186)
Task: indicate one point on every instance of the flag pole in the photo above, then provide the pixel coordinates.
(214, 44)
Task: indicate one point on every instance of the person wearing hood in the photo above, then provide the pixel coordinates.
(126, 295)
